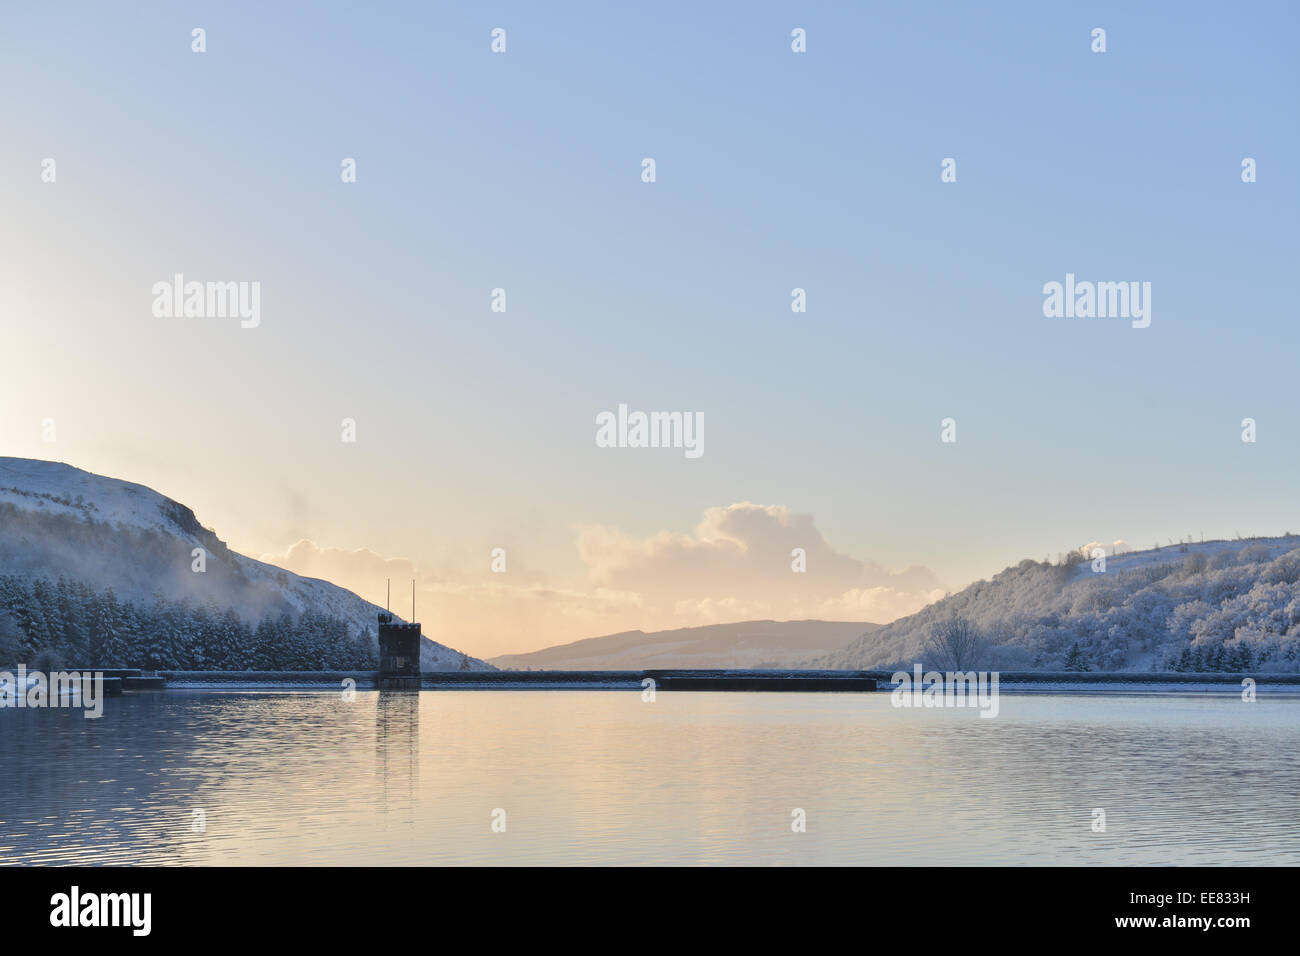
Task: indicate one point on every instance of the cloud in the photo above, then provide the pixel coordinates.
(879, 605)
(1119, 546)
(743, 552)
(734, 566)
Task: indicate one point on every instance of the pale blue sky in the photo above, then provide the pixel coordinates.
(775, 170)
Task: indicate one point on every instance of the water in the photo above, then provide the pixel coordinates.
(603, 777)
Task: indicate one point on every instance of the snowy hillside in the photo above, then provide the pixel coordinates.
(1216, 605)
(57, 521)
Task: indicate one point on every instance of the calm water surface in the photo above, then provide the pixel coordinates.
(602, 777)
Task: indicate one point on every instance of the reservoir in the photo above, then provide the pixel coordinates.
(570, 777)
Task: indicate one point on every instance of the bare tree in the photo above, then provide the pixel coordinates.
(956, 644)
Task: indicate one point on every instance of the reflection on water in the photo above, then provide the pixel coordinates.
(397, 750)
(591, 777)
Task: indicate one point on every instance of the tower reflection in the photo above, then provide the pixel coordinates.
(397, 748)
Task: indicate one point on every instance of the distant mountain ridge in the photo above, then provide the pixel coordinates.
(741, 645)
(57, 521)
(1213, 606)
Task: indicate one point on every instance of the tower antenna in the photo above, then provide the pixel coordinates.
(412, 600)
(388, 601)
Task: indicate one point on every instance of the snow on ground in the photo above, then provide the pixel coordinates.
(57, 488)
(1175, 553)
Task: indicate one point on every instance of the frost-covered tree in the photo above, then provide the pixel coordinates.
(12, 647)
(1142, 613)
(168, 635)
(955, 644)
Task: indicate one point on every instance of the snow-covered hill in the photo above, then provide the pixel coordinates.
(745, 644)
(1215, 605)
(59, 521)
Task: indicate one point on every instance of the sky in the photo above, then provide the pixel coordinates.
(522, 170)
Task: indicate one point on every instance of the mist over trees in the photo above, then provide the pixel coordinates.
(71, 622)
(98, 571)
(135, 562)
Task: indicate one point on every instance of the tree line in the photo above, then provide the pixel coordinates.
(69, 623)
